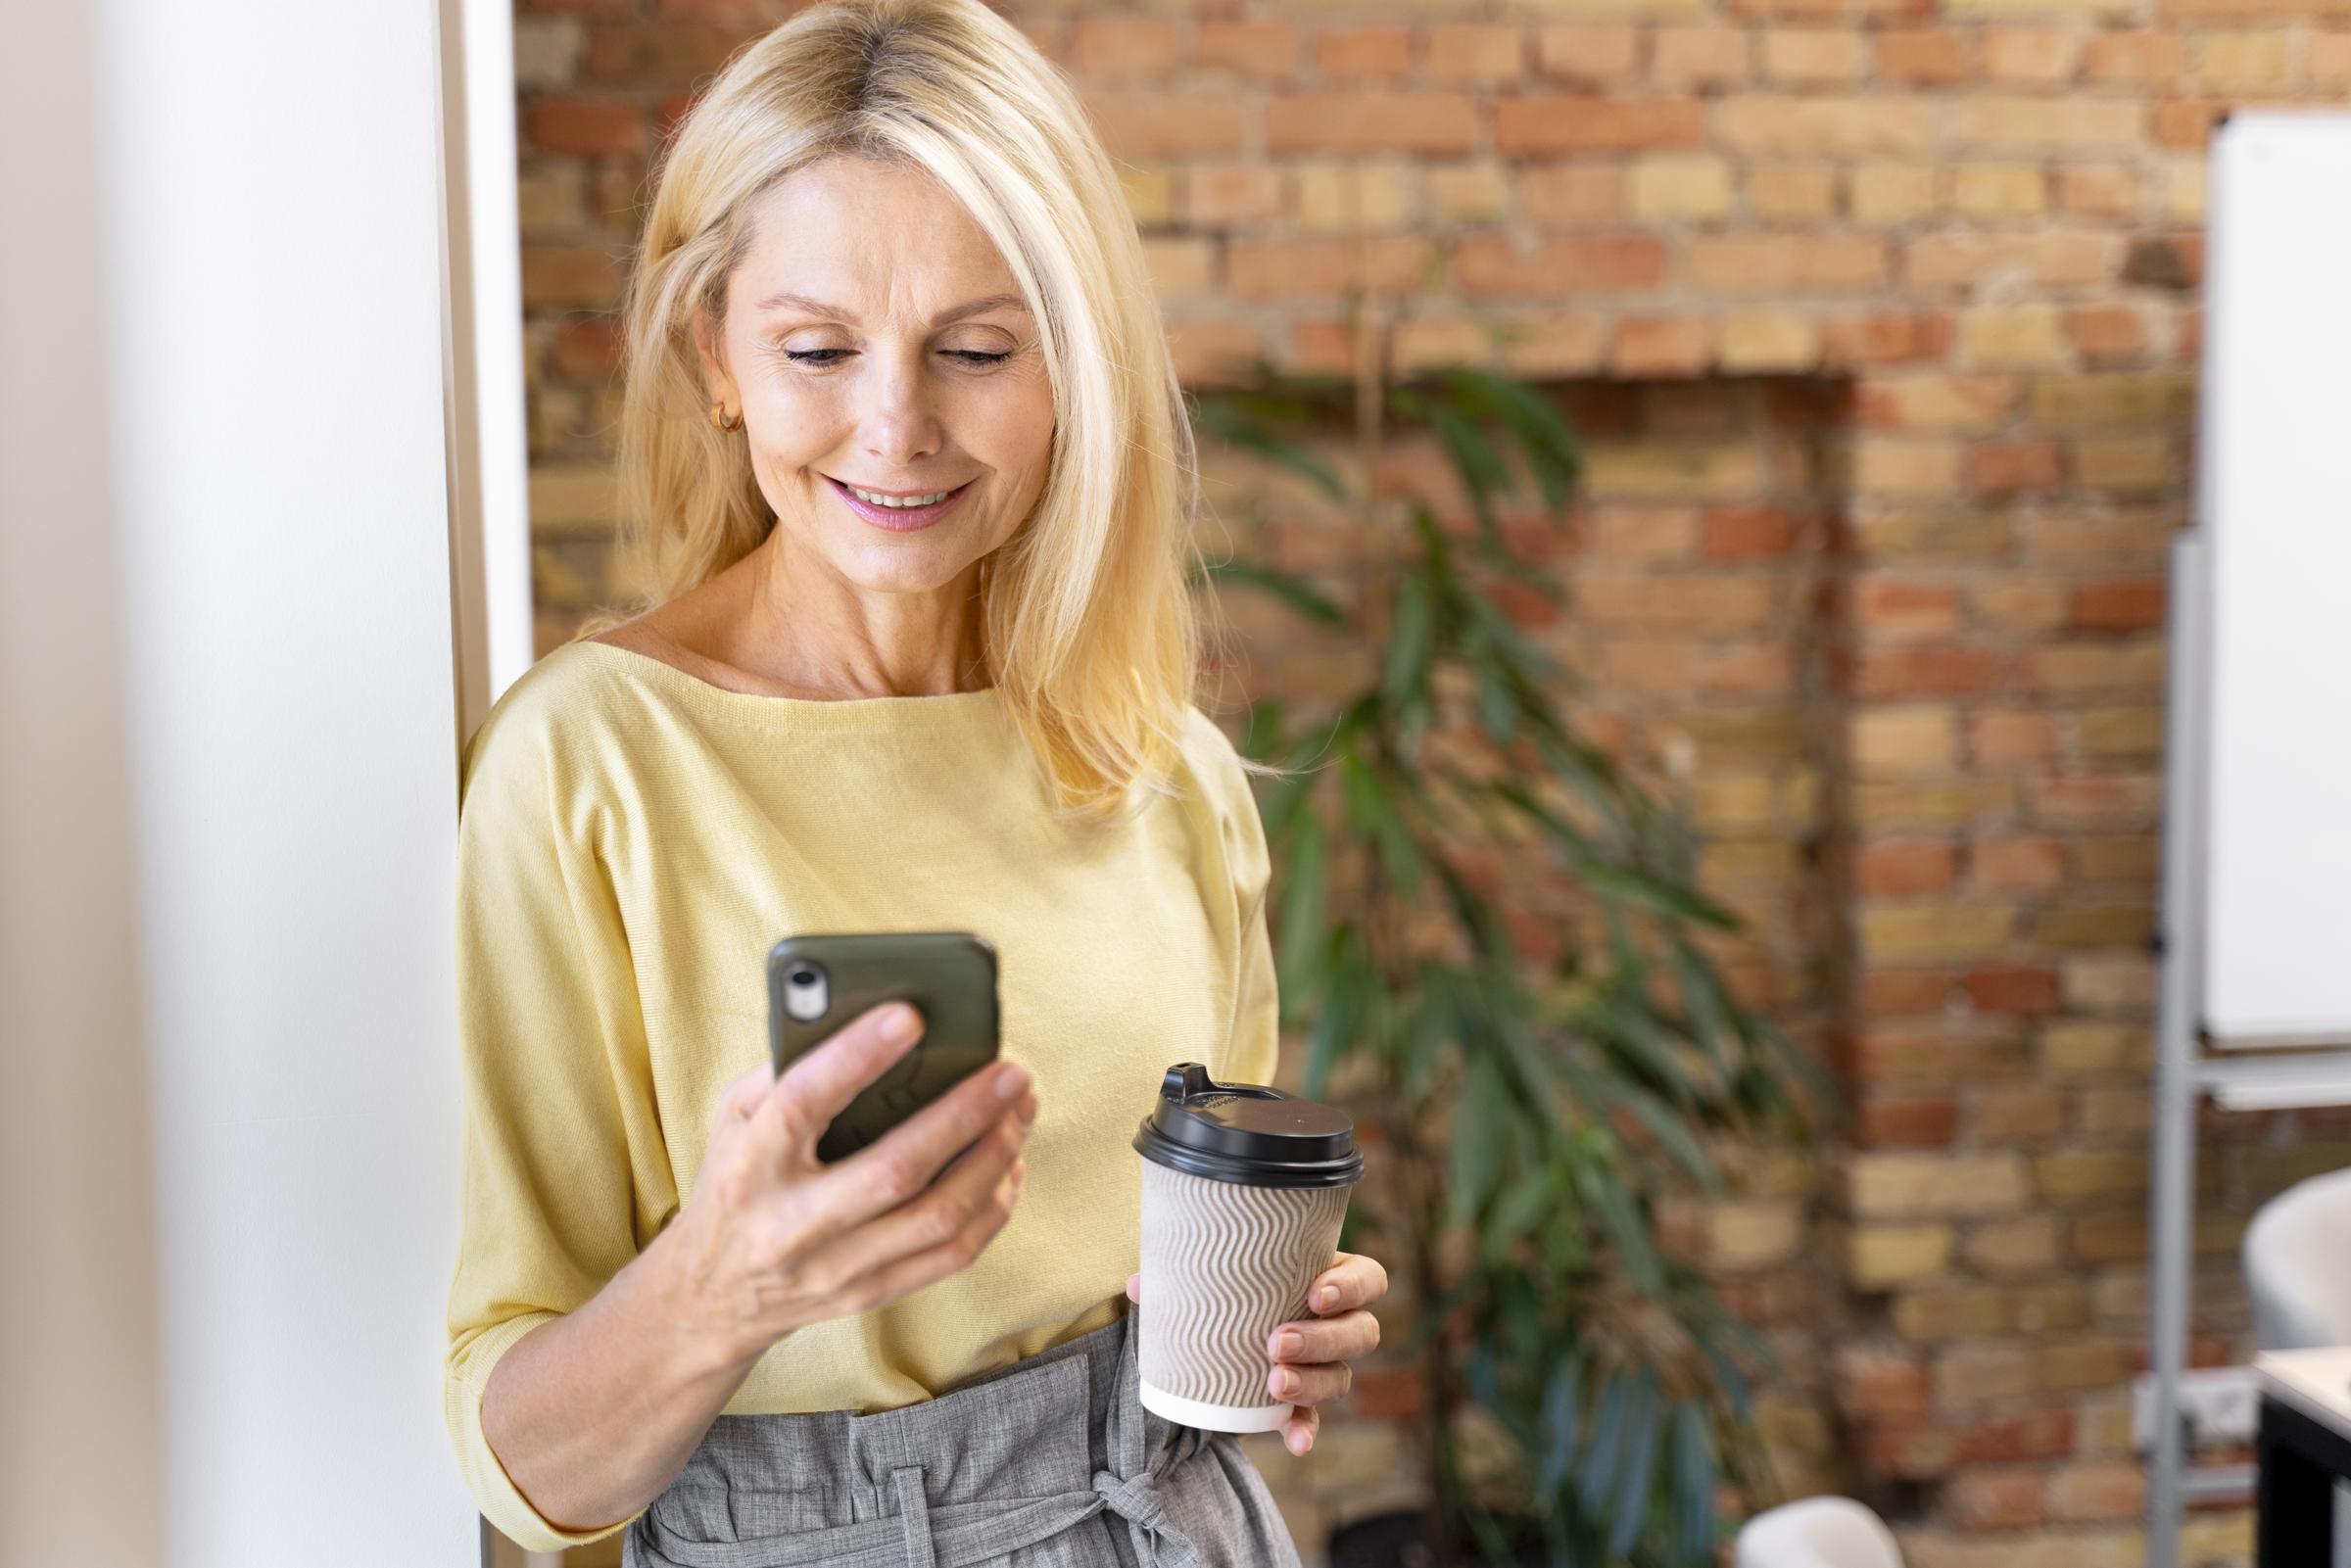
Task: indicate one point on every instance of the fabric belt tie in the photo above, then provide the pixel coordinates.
(950, 1534)
(955, 1535)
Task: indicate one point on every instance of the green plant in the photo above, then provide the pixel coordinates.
(1533, 1111)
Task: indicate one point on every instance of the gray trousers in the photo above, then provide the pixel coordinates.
(1051, 1462)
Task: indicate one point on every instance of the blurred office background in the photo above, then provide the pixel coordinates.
(1879, 319)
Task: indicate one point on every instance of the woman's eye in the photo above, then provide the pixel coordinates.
(821, 356)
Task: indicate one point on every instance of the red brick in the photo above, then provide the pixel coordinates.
(1883, 337)
(1925, 55)
(1875, 1385)
(1146, 124)
(1926, 672)
(1370, 123)
(1490, 265)
(1747, 533)
(2011, 467)
(2108, 334)
(1660, 345)
(1558, 123)
(2134, 59)
(1363, 52)
(1133, 48)
(2022, 990)
(1888, 606)
(2018, 865)
(2119, 604)
(1904, 994)
(1907, 1121)
(1263, 51)
(584, 127)
(1894, 867)
(2039, 1434)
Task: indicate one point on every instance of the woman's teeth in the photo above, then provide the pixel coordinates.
(899, 502)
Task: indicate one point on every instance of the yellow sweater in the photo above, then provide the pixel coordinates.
(631, 841)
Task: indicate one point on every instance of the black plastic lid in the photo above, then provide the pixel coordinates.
(1248, 1133)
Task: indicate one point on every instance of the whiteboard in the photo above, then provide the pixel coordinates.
(2275, 495)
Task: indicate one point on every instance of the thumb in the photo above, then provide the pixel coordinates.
(1135, 1289)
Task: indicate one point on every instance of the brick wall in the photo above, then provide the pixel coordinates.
(1882, 317)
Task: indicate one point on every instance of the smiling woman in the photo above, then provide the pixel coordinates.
(907, 479)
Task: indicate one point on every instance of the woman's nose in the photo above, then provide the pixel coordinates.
(897, 421)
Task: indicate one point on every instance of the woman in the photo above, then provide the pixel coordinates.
(919, 657)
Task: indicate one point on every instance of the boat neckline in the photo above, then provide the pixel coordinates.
(846, 707)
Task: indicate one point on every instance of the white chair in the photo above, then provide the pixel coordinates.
(2297, 1261)
(1817, 1533)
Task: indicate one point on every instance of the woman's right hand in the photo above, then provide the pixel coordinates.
(775, 1239)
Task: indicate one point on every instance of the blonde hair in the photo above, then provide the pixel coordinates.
(1086, 619)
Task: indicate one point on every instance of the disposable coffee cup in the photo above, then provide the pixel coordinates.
(1243, 1191)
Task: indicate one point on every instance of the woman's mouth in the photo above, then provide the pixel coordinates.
(899, 518)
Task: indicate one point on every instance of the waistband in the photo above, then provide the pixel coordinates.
(1010, 1458)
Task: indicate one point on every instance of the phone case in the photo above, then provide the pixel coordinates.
(950, 975)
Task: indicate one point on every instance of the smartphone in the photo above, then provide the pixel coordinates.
(816, 984)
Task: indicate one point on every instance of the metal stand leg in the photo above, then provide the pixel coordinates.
(2172, 1207)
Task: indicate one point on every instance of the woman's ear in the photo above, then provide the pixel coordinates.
(715, 379)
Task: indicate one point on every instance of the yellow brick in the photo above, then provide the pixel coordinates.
(1950, 1315)
(1473, 194)
(1904, 1186)
(568, 499)
(1903, 466)
(2183, 191)
(2049, 124)
(2020, 335)
(1939, 532)
(2032, 603)
(1671, 187)
(2024, 1245)
(1892, 193)
(2125, 463)
(2245, 62)
(1150, 193)
(1814, 55)
(1878, 1256)
(2117, 858)
(1763, 123)
(1686, 470)
(2083, 1049)
(1181, 267)
(1754, 341)
(1972, 1375)
(2093, 926)
(1349, 198)
(2071, 1175)
(1923, 933)
(1748, 1233)
(1781, 193)
(2135, 732)
(1908, 740)
(2081, 403)
(1881, 807)
(1997, 191)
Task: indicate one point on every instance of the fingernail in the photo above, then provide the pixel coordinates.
(1285, 1383)
(1011, 1081)
(1289, 1344)
(898, 1025)
(1326, 1295)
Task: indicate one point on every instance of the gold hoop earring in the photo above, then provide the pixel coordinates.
(718, 417)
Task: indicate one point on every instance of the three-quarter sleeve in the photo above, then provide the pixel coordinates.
(557, 1089)
(1254, 1053)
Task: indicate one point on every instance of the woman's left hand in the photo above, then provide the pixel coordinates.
(1310, 1357)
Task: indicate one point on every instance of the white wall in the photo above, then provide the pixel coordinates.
(78, 1445)
(238, 400)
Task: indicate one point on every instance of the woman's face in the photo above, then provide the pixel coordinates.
(874, 338)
